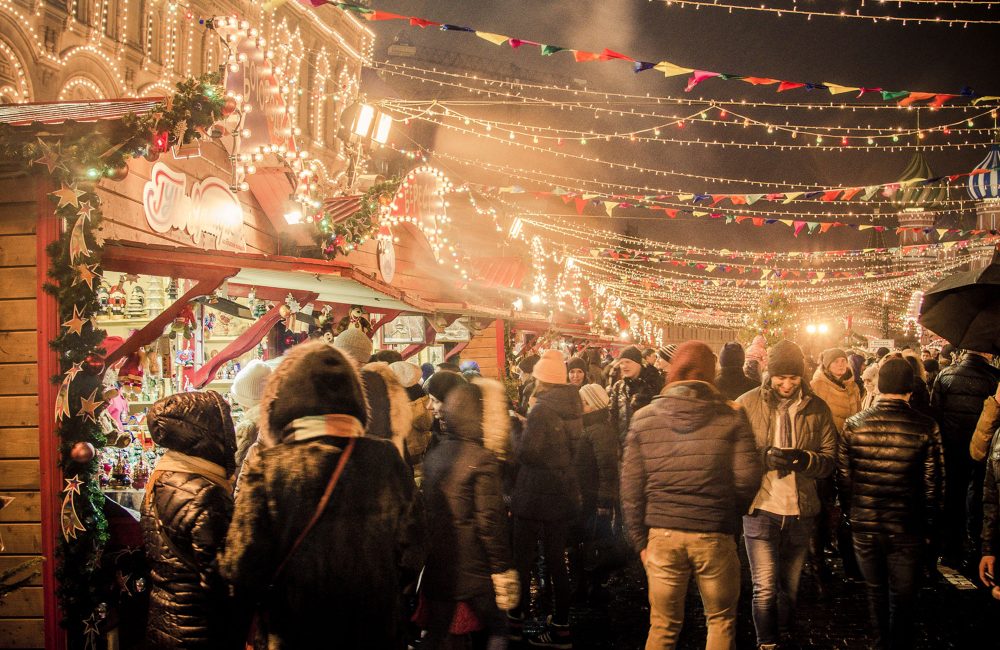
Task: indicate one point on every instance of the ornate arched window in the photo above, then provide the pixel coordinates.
(319, 90)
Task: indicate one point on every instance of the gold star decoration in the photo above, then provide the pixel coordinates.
(86, 274)
(89, 406)
(67, 195)
(76, 323)
(86, 209)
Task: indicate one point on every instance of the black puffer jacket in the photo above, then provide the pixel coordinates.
(889, 469)
(991, 501)
(627, 396)
(546, 487)
(466, 516)
(690, 463)
(958, 396)
(733, 382)
(184, 523)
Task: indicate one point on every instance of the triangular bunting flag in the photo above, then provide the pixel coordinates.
(670, 70)
(496, 39)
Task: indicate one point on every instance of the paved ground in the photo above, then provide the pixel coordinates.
(952, 615)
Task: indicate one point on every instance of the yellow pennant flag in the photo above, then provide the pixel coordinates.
(685, 197)
(496, 39)
(588, 197)
(864, 226)
(942, 232)
(836, 89)
(609, 206)
(787, 222)
(949, 244)
(988, 98)
(791, 196)
(670, 70)
(820, 275)
(711, 267)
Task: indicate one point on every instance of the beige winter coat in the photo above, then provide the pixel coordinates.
(844, 401)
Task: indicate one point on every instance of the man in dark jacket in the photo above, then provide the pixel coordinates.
(797, 438)
(546, 494)
(631, 392)
(889, 474)
(345, 580)
(957, 398)
(185, 516)
(690, 469)
(731, 380)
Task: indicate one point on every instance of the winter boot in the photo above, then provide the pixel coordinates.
(554, 636)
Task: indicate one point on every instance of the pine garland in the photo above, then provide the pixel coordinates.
(341, 237)
(77, 158)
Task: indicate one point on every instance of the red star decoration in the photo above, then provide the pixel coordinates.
(73, 484)
(85, 273)
(49, 158)
(74, 371)
(86, 209)
(76, 323)
(89, 406)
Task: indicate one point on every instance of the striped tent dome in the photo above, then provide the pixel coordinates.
(929, 195)
(987, 186)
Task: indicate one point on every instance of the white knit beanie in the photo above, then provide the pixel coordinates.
(355, 344)
(248, 386)
(408, 373)
(594, 396)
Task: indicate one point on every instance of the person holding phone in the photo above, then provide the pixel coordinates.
(889, 473)
(796, 436)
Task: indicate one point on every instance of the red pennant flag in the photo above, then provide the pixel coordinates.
(939, 100)
(789, 85)
(760, 81)
(830, 195)
(580, 204)
(607, 55)
(671, 212)
(797, 226)
(758, 221)
(385, 15)
(850, 193)
(914, 97)
(517, 42)
(823, 227)
(741, 218)
(420, 22)
(567, 198)
(582, 56)
(738, 199)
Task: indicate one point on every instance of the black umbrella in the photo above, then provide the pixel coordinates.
(964, 309)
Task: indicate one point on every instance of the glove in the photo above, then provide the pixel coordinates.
(796, 459)
(774, 458)
(507, 588)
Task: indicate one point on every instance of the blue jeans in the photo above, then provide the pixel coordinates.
(890, 565)
(776, 547)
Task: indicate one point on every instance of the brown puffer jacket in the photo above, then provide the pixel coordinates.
(989, 421)
(184, 522)
(815, 433)
(843, 398)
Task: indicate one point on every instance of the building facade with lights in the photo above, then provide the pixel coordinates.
(66, 50)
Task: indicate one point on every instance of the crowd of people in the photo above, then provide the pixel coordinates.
(363, 496)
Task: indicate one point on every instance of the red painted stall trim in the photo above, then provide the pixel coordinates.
(498, 326)
(49, 228)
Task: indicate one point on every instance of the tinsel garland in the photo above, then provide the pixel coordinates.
(341, 237)
(77, 158)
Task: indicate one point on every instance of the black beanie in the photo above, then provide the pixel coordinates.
(527, 364)
(732, 355)
(785, 358)
(576, 363)
(316, 380)
(441, 383)
(881, 352)
(895, 376)
(632, 353)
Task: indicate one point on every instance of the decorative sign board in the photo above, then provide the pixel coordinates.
(405, 330)
(386, 255)
(420, 201)
(455, 333)
(210, 209)
(875, 344)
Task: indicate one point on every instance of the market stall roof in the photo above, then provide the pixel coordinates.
(52, 113)
(504, 272)
(335, 280)
(469, 309)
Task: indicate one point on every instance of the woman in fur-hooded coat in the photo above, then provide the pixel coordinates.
(389, 406)
(342, 586)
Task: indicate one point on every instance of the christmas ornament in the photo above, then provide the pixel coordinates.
(117, 173)
(70, 522)
(185, 356)
(151, 154)
(229, 106)
(82, 452)
(93, 364)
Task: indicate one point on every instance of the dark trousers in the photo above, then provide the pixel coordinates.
(441, 612)
(963, 498)
(890, 565)
(552, 534)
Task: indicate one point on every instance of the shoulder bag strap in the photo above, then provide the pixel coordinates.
(319, 508)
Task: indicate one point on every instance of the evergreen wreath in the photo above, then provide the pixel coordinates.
(341, 237)
(77, 156)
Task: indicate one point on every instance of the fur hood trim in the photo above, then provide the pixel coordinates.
(496, 418)
(400, 411)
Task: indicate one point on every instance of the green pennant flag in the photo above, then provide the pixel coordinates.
(549, 50)
(895, 94)
(813, 225)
